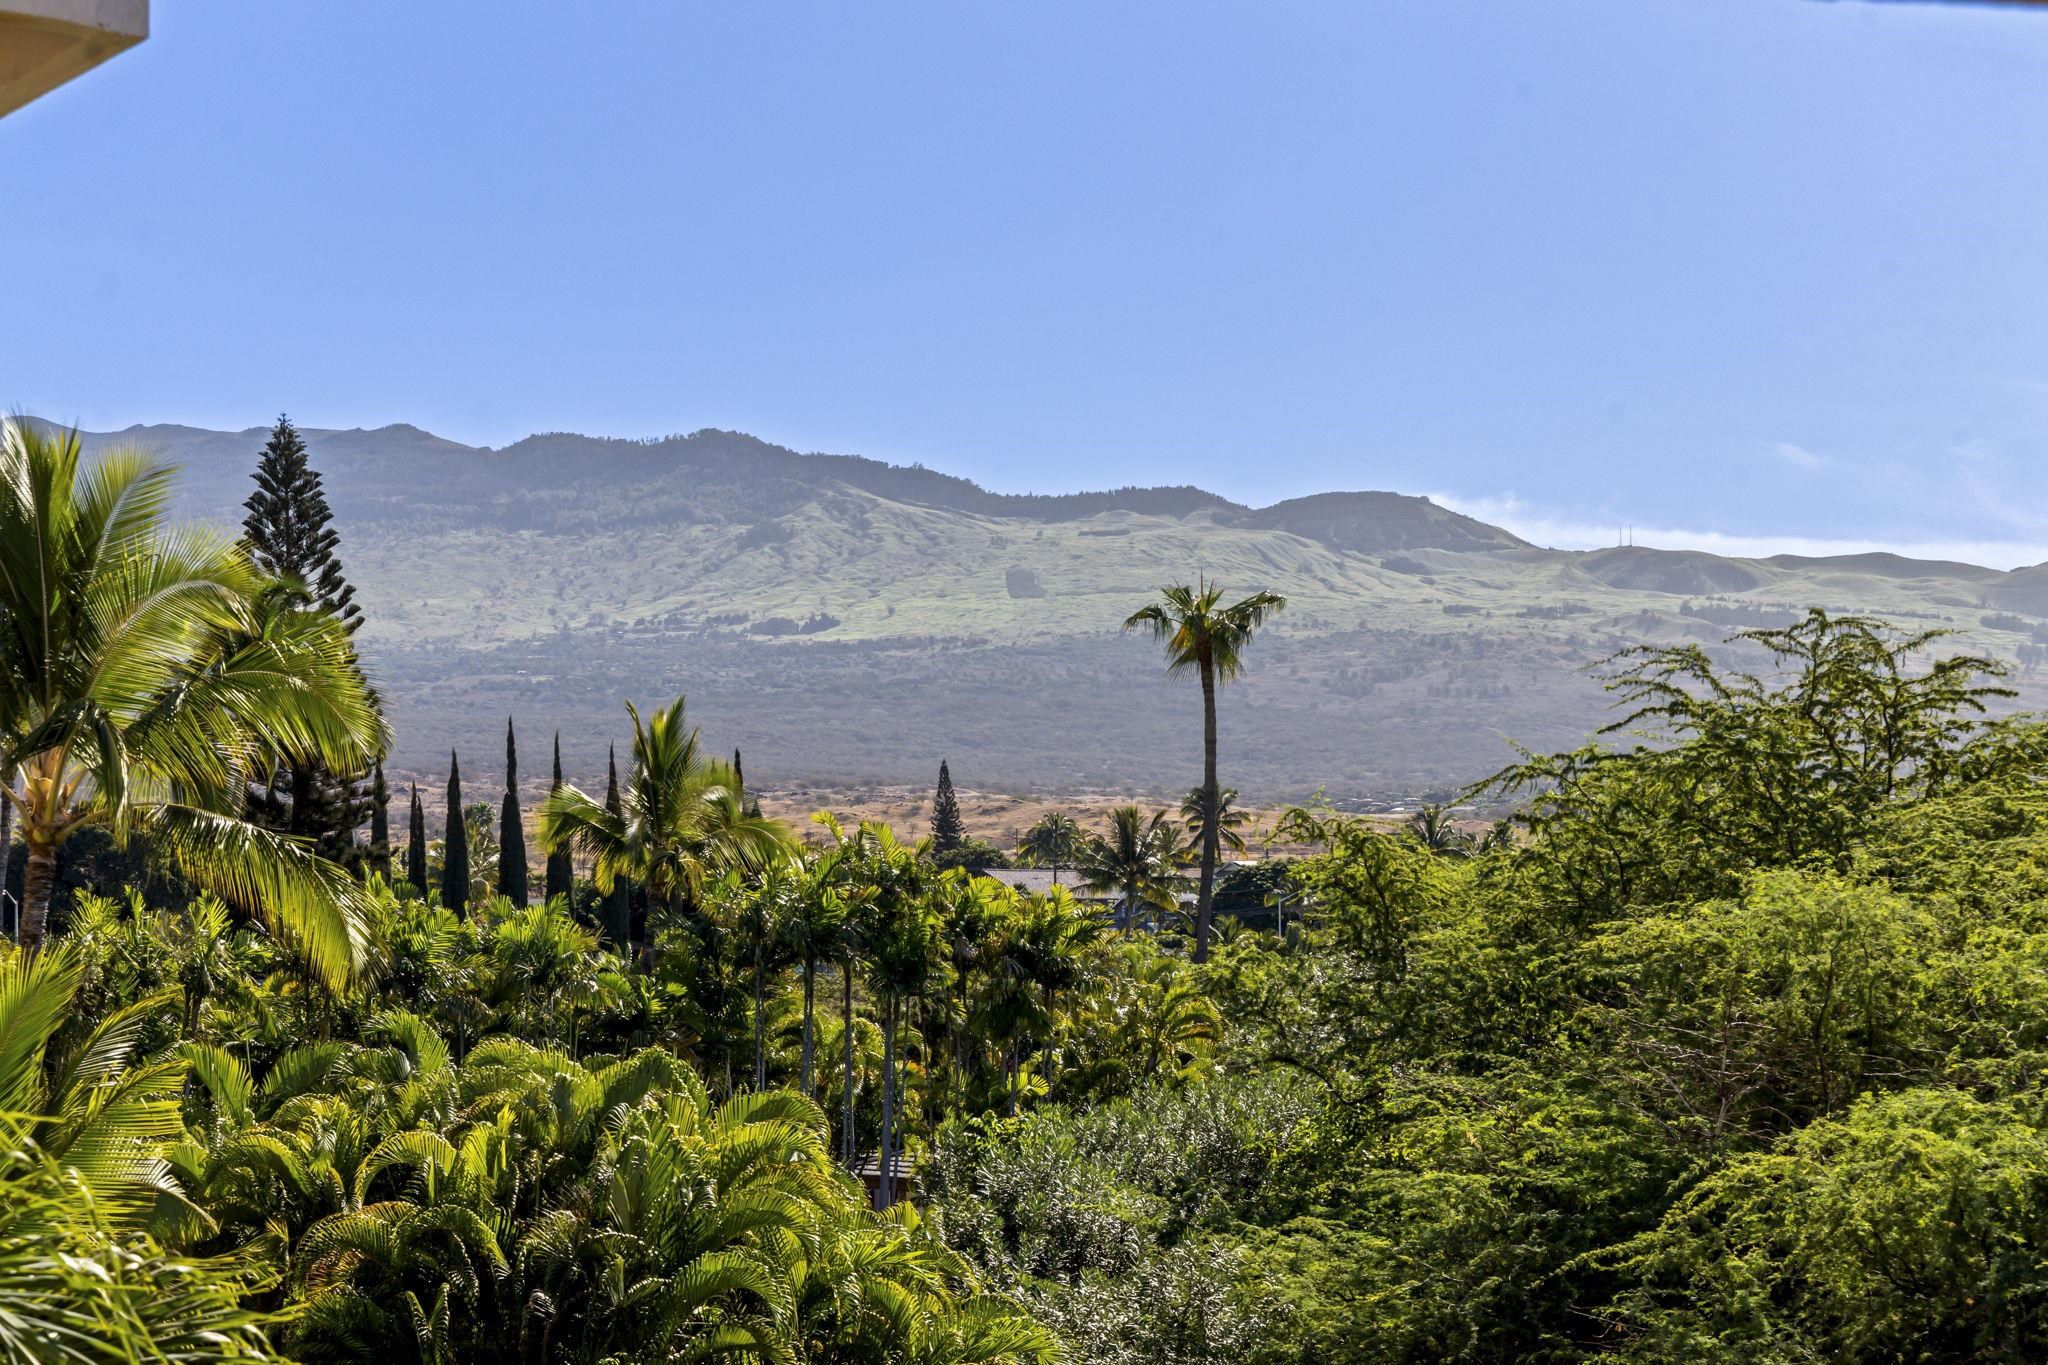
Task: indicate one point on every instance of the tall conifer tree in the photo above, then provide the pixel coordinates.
(380, 825)
(416, 845)
(948, 830)
(619, 905)
(561, 874)
(290, 532)
(455, 847)
(512, 871)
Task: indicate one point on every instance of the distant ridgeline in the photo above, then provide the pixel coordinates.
(847, 620)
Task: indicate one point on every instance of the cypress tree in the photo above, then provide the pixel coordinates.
(290, 533)
(948, 831)
(416, 847)
(455, 848)
(619, 906)
(561, 875)
(512, 870)
(380, 825)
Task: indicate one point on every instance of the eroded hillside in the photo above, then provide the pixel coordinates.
(817, 609)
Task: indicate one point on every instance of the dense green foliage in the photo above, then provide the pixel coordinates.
(1734, 1053)
(1732, 1046)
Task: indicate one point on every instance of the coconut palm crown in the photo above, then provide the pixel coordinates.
(681, 817)
(1140, 859)
(1207, 638)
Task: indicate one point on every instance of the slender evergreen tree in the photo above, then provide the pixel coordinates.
(455, 847)
(948, 830)
(380, 825)
(416, 845)
(289, 531)
(618, 914)
(561, 874)
(512, 870)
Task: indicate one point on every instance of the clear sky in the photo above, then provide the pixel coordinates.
(1774, 271)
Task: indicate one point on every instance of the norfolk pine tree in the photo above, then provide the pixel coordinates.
(948, 831)
(290, 533)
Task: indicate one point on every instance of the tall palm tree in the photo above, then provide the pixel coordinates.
(814, 928)
(882, 876)
(973, 913)
(148, 673)
(762, 915)
(1203, 635)
(681, 817)
(1139, 859)
(905, 959)
(1054, 842)
(1043, 947)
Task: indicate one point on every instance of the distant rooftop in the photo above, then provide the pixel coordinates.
(1037, 881)
(44, 43)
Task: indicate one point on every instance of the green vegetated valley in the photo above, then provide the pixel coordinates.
(1726, 1045)
(817, 607)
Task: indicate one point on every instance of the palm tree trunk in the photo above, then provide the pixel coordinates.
(934, 1098)
(38, 884)
(1051, 1050)
(846, 1035)
(886, 1193)
(810, 983)
(7, 834)
(1211, 833)
(960, 1047)
(760, 1022)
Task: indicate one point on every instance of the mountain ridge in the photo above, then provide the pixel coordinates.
(538, 456)
(848, 621)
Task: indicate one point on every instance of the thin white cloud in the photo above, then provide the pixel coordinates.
(1794, 454)
(1565, 533)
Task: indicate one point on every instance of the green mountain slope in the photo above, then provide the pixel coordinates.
(818, 608)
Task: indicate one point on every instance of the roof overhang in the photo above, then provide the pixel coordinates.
(44, 43)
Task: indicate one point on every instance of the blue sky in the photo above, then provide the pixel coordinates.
(1754, 274)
